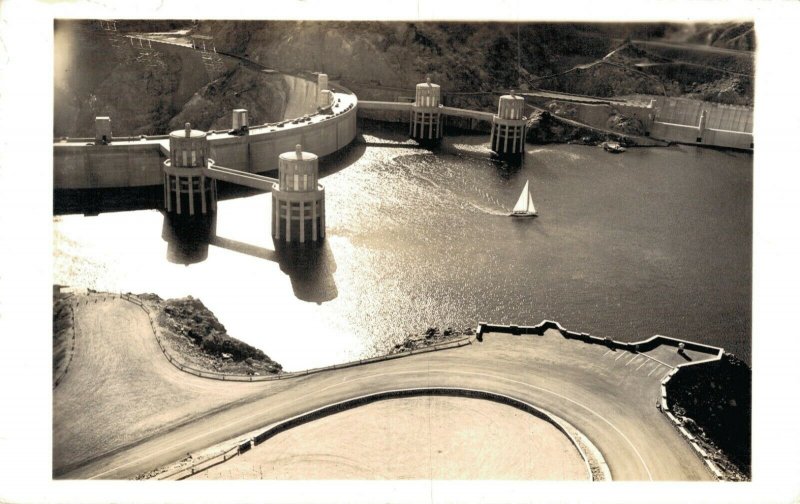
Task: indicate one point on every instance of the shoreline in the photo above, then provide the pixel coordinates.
(192, 331)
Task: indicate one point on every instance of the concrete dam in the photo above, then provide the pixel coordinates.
(88, 163)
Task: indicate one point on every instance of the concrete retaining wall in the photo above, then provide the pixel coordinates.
(674, 132)
(736, 140)
(718, 115)
(690, 134)
(676, 119)
(102, 166)
(637, 346)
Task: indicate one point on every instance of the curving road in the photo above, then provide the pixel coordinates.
(123, 410)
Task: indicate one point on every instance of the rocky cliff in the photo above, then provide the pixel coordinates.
(151, 91)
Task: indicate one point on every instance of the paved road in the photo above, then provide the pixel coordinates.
(609, 396)
(697, 47)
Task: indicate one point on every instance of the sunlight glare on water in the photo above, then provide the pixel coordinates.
(653, 241)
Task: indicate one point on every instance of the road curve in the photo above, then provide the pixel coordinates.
(124, 410)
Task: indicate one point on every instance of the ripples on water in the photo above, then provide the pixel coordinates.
(653, 241)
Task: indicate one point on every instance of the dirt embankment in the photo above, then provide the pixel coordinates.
(715, 402)
(63, 335)
(192, 332)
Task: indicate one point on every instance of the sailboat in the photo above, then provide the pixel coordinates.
(524, 206)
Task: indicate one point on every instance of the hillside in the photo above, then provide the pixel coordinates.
(150, 92)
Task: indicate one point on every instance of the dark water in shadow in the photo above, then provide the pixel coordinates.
(653, 241)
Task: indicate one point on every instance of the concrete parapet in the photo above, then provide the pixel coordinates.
(635, 346)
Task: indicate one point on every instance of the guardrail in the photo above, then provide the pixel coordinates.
(591, 460)
(283, 376)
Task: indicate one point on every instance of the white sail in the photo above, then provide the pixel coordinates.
(531, 208)
(523, 201)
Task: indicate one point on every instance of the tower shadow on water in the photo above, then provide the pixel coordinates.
(310, 267)
(188, 237)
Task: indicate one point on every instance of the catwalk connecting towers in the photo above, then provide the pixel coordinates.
(509, 125)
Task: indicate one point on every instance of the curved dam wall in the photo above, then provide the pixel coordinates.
(135, 162)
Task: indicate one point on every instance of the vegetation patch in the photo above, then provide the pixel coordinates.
(714, 402)
(191, 331)
(431, 336)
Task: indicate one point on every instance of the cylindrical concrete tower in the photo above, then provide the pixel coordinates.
(298, 200)
(426, 118)
(701, 127)
(186, 188)
(325, 99)
(239, 121)
(322, 85)
(102, 130)
(508, 126)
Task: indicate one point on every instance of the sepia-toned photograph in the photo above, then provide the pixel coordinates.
(402, 250)
(407, 253)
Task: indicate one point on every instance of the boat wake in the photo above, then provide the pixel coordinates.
(486, 210)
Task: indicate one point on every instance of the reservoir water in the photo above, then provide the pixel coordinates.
(652, 241)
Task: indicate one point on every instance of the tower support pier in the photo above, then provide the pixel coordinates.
(507, 139)
(425, 124)
(187, 190)
(298, 200)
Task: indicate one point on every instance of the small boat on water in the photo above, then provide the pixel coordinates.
(524, 206)
(613, 147)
